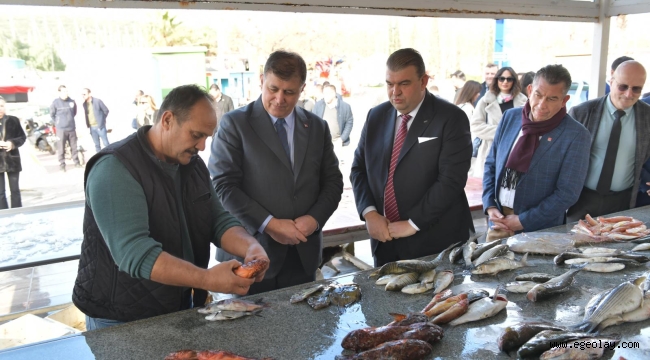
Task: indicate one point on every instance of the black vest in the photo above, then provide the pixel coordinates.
(103, 291)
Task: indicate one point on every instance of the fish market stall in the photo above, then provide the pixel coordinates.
(285, 330)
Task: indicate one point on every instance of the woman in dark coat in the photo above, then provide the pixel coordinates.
(12, 137)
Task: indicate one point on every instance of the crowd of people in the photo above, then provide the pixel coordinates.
(273, 178)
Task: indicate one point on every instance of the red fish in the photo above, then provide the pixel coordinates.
(407, 349)
(252, 268)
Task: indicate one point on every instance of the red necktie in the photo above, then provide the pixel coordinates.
(390, 203)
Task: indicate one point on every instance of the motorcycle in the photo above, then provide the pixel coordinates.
(42, 136)
(68, 153)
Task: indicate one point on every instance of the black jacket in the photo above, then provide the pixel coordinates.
(101, 290)
(11, 131)
(63, 113)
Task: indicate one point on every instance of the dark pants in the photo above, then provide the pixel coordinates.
(595, 204)
(96, 133)
(292, 273)
(71, 137)
(13, 187)
(385, 253)
(642, 199)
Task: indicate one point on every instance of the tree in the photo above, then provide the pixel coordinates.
(168, 32)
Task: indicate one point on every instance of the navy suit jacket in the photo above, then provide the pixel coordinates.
(556, 175)
(100, 110)
(254, 178)
(645, 172)
(429, 178)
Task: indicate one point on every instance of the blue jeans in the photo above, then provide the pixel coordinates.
(97, 323)
(97, 133)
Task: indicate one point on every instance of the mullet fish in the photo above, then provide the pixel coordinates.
(554, 286)
(496, 265)
(623, 298)
(233, 305)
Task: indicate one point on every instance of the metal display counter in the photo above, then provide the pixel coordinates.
(296, 331)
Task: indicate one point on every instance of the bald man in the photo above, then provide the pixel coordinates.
(620, 143)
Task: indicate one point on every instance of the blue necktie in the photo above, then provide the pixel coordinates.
(282, 134)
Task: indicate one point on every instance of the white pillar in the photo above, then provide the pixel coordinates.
(600, 48)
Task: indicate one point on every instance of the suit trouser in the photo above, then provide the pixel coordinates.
(13, 187)
(292, 273)
(496, 234)
(595, 204)
(71, 137)
(386, 252)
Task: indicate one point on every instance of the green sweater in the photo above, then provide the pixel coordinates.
(120, 208)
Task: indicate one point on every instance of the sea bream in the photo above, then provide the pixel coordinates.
(496, 265)
(623, 298)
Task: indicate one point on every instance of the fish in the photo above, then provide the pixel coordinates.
(642, 247)
(510, 255)
(603, 267)
(452, 313)
(385, 279)
(397, 283)
(252, 268)
(207, 355)
(368, 338)
(231, 315)
(482, 309)
(232, 304)
(541, 342)
(643, 282)
(407, 266)
(496, 251)
(475, 295)
(344, 295)
(496, 265)
(536, 277)
(455, 254)
(520, 287)
(598, 250)
(405, 349)
(623, 298)
(542, 243)
(417, 288)
(408, 319)
(515, 336)
(554, 286)
(468, 252)
(443, 306)
(438, 298)
(593, 303)
(305, 293)
(320, 300)
(642, 313)
(597, 259)
(564, 257)
(576, 353)
(443, 280)
(484, 247)
(427, 277)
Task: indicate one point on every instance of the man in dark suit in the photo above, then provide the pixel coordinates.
(620, 143)
(410, 167)
(274, 168)
(643, 196)
(490, 71)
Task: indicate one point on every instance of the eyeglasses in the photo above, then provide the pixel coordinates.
(143, 102)
(506, 79)
(624, 88)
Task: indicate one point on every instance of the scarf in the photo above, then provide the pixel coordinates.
(522, 154)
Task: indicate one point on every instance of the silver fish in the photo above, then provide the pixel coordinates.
(642, 247)
(482, 248)
(407, 266)
(443, 280)
(554, 286)
(596, 259)
(520, 287)
(598, 250)
(397, 283)
(417, 288)
(482, 309)
(305, 293)
(455, 254)
(541, 243)
(640, 314)
(496, 251)
(427, 277)
(536, 277)
(593, 303)
(496, 265)
(563, 257)
(232, 305)
(475, 295)
(468, 251)
(385, 279)
(604, 267)
(231, 315)
(623, 298)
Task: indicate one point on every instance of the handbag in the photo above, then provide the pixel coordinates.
(476, 143)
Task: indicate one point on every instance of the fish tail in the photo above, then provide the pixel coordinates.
(397, 316)
(524, 260)
(256, 312)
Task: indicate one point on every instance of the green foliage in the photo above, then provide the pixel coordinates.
(169, 32)
(39, 57)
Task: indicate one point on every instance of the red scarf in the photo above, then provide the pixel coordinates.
(523, 152)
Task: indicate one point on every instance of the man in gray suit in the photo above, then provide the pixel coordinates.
(620, 131)
(273, 167)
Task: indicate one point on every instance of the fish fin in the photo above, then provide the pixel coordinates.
(397, 316)
(256, 312)
(578, 266)
(374, 274)
(524, 260)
